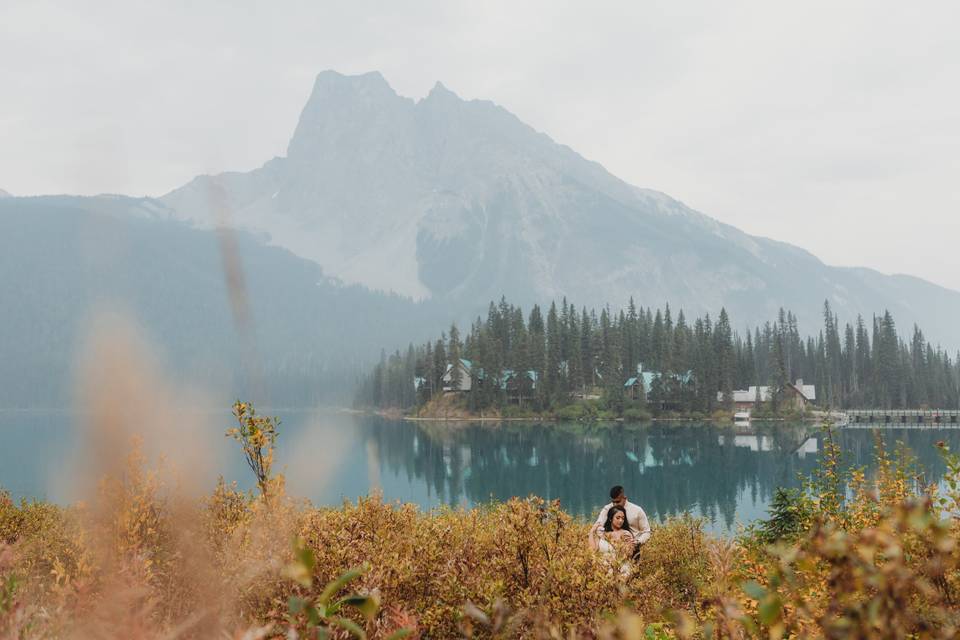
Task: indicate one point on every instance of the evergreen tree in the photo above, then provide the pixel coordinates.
(723, 348)
(588, 367)
(778, 365)
(551, 376)
(456, 372)
(439, 362)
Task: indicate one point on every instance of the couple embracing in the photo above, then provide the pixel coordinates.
(620, 528)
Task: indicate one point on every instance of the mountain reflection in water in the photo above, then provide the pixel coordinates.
(724, 473)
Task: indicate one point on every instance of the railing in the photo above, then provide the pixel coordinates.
(923, 418)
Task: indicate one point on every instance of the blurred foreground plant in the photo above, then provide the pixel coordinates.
(317, 616)
(13, 614)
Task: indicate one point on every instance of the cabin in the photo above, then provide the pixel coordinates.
(637, 387)
(465, 368)
(640, 386)
(745, 399)
(633, 389)
(519, 385)
(799, 395)
(796, 395)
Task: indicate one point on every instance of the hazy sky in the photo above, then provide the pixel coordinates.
(834, 126)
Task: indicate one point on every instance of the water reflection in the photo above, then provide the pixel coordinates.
(719, 473)
(724, 473)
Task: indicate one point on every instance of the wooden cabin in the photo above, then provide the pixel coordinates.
(465, 368)
(520, 386)
(796, 395)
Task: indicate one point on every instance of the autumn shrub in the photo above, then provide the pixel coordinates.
(526, 552)
(673, 568)
(862, 556)
(886, 580)
(51, 545)
(15, 617)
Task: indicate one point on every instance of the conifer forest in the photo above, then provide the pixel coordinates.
(692, 364)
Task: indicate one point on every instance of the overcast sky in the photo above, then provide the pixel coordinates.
(836, 128)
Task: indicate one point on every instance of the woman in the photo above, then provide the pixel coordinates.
(614, 534)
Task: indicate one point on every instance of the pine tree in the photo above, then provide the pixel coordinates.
(588, 368)
(658, 339)
(723, 347)
(574, 354)
(456, 372)
(439, 362)
(553, 352)
(778, 365)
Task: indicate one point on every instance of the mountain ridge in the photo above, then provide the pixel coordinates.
(65, 258)
(459, 200)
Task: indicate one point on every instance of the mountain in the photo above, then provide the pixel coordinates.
(5, 194)
(461, 202)
(64, 258)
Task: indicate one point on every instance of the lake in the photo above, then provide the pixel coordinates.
(726, 475)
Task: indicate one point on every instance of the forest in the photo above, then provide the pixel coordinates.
(566, 355)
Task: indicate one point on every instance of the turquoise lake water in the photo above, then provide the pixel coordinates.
(723, 474)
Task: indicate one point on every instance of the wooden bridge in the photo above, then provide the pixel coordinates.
(922, 418)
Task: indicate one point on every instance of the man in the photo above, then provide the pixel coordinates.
(636, 518)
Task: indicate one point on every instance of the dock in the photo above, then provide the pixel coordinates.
(920, 418)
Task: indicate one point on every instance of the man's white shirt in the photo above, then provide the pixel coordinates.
(636, 520)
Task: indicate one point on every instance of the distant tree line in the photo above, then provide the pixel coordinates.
(697, 364)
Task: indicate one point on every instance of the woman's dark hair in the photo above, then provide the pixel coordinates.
(608, 525)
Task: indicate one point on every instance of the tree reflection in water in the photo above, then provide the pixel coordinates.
(723, 474)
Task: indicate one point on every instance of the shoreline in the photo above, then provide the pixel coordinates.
(414, 418)
(461, 416)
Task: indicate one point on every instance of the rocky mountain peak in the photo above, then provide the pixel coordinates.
(341, 105)
(329, 84)
(440, 93)
(460, 200)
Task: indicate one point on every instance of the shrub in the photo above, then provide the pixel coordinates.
(583, 411)
(790, 515)
(636, 414)
(513, 411)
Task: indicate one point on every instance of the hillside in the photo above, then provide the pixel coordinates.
(63, 258)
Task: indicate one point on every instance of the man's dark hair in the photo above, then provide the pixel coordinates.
(616, 492)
